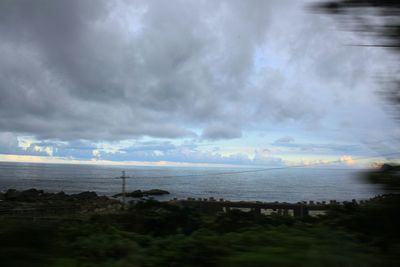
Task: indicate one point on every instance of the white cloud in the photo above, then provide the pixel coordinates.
(47, 149)
(347, 159)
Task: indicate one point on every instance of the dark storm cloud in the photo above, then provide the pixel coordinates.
(71, 69)
(113, 70)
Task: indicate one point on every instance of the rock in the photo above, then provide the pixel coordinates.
(60, 196)
(11, 194)
(155, 192)
(87, 195)
(44, 202)
(389, 168)
(30, 195)
(136, 193)
(140, 193)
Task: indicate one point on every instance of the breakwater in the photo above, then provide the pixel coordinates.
(299, 209)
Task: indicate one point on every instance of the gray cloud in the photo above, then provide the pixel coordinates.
(8, 139)
(284, 140)
(183, 153)
(322, 148)
(221, 131)
(114, 70)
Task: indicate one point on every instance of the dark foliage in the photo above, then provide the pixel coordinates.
(154, 233)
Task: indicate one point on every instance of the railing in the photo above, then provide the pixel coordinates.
(299, 209)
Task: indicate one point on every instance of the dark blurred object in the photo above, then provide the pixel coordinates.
(379, 18)
(388, 176)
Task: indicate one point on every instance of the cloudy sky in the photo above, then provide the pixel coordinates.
(246, 83)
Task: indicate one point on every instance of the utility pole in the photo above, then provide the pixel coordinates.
(123, 177)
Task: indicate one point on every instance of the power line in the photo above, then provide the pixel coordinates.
(263, 169)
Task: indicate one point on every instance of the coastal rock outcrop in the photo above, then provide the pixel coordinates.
(140, 193)
(33, 199)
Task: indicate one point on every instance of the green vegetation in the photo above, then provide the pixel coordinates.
(159, 234)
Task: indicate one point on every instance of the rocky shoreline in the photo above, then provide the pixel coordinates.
(146, 193)
(14, 201)
(34, 199)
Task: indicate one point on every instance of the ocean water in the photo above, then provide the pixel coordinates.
(289, 185)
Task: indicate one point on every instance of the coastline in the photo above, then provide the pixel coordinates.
(34, 201)
(153, 233)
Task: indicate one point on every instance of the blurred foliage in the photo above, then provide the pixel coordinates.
(374, 16)
(379, 19)
(160, 234)
(388, 176)
(25, 243)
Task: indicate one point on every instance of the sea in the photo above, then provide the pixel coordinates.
(235, 184)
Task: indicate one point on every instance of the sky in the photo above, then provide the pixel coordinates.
(189, 83)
